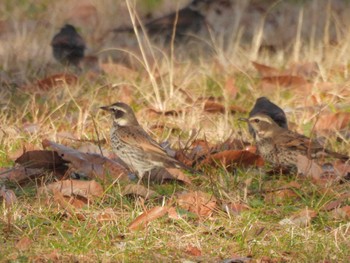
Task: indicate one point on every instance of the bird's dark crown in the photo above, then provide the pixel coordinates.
(68, 28)
(123, 115)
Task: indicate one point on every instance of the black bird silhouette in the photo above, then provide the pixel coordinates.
(188, 20)
(68, 46)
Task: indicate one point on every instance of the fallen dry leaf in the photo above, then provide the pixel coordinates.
(284, 81)
(336, 203)
(25, 147)
(235, 208)
(265, 70)
(41, 159)
(139, 190)
(233, 158)
(343, 169)
(332, 122)
(20, 174)
(342, 212)
(301, 218)
(231, 88)
(91, 165)
(57, 80)
(172, 213)
(197, 202)
(307, 167)
(24, 243)
(65, 204)
(9, 196)
(200, 147)
(86, 189)
(179, 175)
(147, 217)
(215, 107)
(193, 251)
(107, 215)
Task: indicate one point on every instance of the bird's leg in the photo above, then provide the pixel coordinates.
(148, 180)
(140, 175)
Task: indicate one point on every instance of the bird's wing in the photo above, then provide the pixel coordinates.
(297, 141)
(137, 137)
(306, 145)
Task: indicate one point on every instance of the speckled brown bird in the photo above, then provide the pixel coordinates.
(133, 145)
(68, 46)
(281, 147)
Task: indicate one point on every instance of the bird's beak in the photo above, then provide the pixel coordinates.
(106, 108)
(244, 119)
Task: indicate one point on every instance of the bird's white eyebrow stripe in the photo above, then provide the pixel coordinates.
(261, 119)
(114, 107)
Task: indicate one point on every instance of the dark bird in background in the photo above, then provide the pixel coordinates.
(189, 19)
(133, 145)
(281, 147)
(265, 106)
(68, 46)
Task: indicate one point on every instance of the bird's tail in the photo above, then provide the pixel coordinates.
(339, 156)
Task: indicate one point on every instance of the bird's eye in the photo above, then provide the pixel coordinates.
(256, 120)
(118, 113)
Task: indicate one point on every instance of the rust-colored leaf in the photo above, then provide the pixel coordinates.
(41, 159)
(193, 251)
(147, 217)
(265, 70)
(24, 243)
(25, 147)
(342, 169)
(285, 81)
(215, 107)
(336, 203)
(62, 202)
(197, 202)
(183, 158)
(57, 80)
(92, 165)
(107, 215)
(20, 174)
(333, 122)
(86, 189)
(342, 212)
(235, 208)
(179, 175)
(231, 88)
(233, 158)
(231, 144)
(172, 213)
(308, 167)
